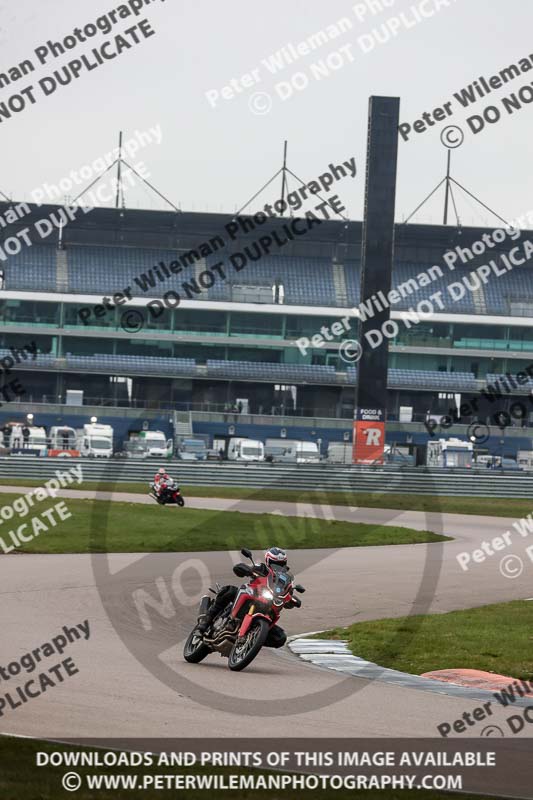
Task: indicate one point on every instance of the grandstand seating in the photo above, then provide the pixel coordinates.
(250, 370)
(109, 269)
(513, 286)
(284, 373)
(42, 360)
(102, 270)
(33, 269)
(143, 365)
(306, 282)
(352, 275)
(404, 271)
(429, 379)
(502, 380)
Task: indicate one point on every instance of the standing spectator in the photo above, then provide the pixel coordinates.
(239, 406)
(2, 279)
(17, 436)
(25, 435)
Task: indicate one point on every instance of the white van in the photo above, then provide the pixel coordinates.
(340, 453)
(524, 459)
(95, 440)
(156, 443)
(245, 450)
(190, 449)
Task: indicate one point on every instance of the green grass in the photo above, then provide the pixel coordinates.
(134, 528)
(488, 506)
(21, 779)
(496, 638)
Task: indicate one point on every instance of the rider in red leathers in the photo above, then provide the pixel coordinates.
(161, 480)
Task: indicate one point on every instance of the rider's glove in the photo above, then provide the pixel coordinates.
(294, 602)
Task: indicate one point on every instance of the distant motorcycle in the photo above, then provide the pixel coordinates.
(169, 496)
(241, 629)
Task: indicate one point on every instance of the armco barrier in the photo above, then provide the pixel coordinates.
(284, 476)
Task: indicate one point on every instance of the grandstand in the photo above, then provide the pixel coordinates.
(236, 337)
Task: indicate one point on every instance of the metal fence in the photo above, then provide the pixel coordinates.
(282, 476)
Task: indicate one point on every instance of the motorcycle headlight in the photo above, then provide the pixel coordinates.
(267, 594)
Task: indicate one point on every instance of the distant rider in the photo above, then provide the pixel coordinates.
(274, 557)
(161, 480)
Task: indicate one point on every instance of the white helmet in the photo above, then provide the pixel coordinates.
(276, 556)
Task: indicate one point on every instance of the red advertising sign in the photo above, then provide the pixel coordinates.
(368, 442)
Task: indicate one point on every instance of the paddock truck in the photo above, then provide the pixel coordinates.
(241, 629)
(169, 496)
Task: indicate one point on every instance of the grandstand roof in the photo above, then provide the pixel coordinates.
(169, 229)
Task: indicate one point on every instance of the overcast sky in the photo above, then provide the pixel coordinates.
(216, 158)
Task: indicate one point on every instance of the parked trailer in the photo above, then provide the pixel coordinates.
(292, 451)
(25, 439)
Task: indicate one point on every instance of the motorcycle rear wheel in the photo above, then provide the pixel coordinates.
(247, 647)
(195, 650)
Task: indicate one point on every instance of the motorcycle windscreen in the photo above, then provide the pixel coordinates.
(279, 581)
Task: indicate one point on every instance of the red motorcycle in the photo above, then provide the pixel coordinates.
(168, 496)
(241, 629)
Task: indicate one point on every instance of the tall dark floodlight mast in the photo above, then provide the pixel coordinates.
(376, 273)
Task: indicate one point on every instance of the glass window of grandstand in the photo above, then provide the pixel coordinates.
(299, 325)
(482, 337)
(76, 346)
(256, 325)
(187, 320)
(156, 318)
(144, 347)
(430, 334)
(321, 357)
(29, 312)
(79, 316)
(44, 344)
(520, 338)
(269, 355)
(418, 361)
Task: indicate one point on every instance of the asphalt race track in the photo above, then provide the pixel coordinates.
(116, 694)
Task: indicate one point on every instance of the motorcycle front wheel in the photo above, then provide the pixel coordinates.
(195, 650)
(247, 647)
(180, 501)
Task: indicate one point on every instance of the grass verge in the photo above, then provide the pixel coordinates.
(131, 528)
(495, 638)
(487, 506)
(20, 778)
